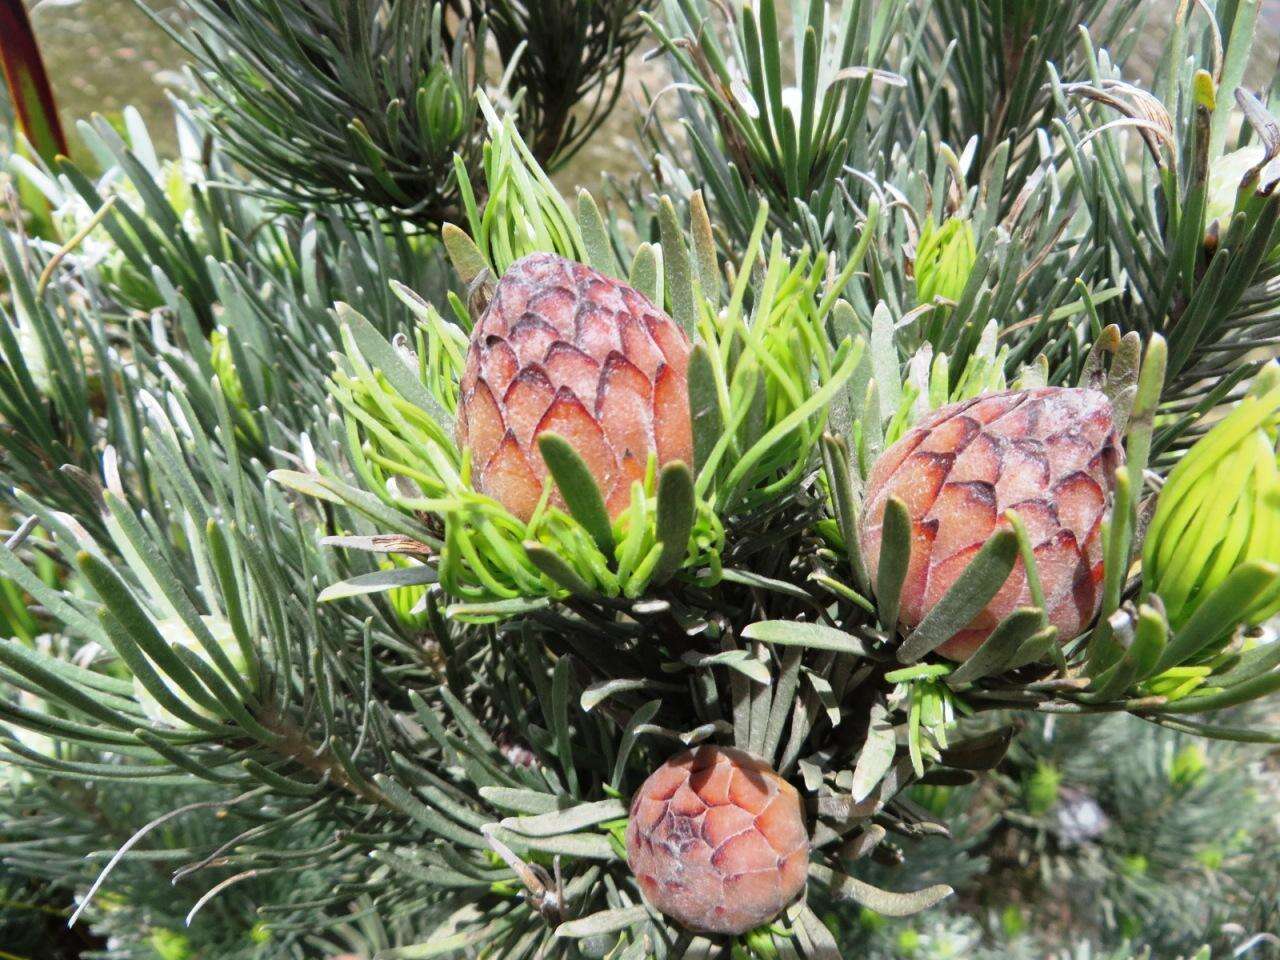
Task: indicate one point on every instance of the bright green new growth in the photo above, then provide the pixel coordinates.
(945, 255)
(762, 373)
(1220, 509)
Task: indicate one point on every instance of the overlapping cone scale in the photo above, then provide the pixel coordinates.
(717, 841)
(565, 349)
(1049, 453)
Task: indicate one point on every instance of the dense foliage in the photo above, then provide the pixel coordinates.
(291, 667)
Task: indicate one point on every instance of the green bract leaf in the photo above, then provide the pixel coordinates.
(578, 487)
(379, 581)
(876, 755)
(606, 921)
(844, 887)
(972, 590)
(1000, 648)
(813, 635)
(895, 556)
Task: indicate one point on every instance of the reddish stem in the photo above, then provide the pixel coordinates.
(29, 82)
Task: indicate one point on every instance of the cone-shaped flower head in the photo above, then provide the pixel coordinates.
(717, 841)
(564, 349)
(1050, 454)
(1219, 508)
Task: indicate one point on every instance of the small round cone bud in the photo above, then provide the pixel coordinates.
(717, 841)
(564, 349)
(1218, 509)
(1050, 454)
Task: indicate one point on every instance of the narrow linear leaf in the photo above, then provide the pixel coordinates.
(559, 716)
(895, 556)
(466, 257)
(979, 582)
(681, 285)
(675, 518)
(579, 488)
(600, 255)
(999, 649)
(520, 800)
(704, 246)
(558, 569)
(876, 755)
(796, 634)
(379, 581)
(606, 921)
(1221, 611)
(844, 887)
(598, 693)
(568, 820)
(644, 272)
(589, 846)
(884, 363)
(704, 406)
(382, 356)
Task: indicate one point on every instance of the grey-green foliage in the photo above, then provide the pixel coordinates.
(342, 103)
(142, 914)
(768, 120)
(817, 124)
(1156, 845)
(1117, 836)
(1185, 211)
(172, 258)
(185, 455)
(290, 739)
(997, 60)
(569, 58)
(366, 104)
(310, 751)
(184, 649)
(188, 656)
(850, 125)
(1086, 193)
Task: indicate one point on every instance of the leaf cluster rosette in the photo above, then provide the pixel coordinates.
(366, 106)
(1219, 509)
(761, 370)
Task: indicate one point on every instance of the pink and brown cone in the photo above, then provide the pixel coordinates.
(717, 841)
(565, 349)
(1050, 454)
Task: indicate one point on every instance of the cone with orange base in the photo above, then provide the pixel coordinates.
(717, 841)
(1050, 454)
(564, 349)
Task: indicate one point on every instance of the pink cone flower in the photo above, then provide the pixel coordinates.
(1050, 454)
(717, 841)
(565, 349)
